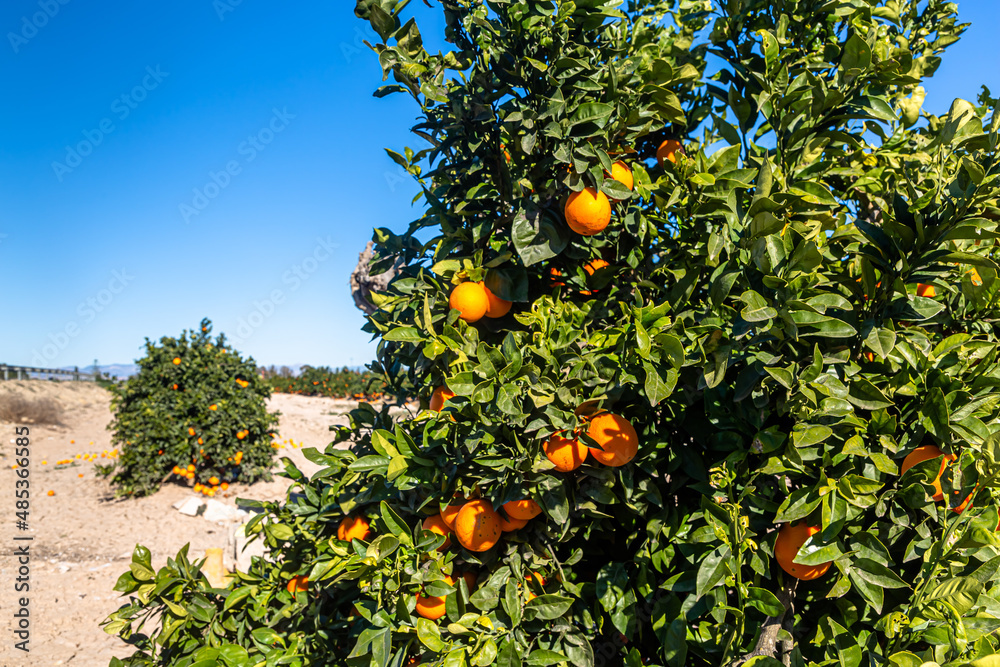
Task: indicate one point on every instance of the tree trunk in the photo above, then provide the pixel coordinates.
(768, 643)
(363, 284)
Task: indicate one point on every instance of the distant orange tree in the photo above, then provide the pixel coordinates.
(324, 381)
(194, 413)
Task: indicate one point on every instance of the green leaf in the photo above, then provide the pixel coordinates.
(236, 597)
(429, 635)
(757, 309)
(881, 341)
(857, 55)
(395, 523)
(541, 657)
(713, 569)
(877, 574)
(592, 112)
(867, 396)
(404, 335)
(537, 237)
(960, 593)
(547, 607)
(656, 387)
(765, 601)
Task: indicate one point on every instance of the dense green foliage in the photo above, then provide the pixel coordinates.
(189, 404)
(758, 325)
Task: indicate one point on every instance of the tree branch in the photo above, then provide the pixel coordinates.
(768, 643)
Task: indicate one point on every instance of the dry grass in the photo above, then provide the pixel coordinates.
(18, 409)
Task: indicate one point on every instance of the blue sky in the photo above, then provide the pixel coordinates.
(160, 163)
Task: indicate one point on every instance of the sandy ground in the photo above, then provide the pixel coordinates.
(83, 537)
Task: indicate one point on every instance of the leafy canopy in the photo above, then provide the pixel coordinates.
(758, 323)
(194, 402)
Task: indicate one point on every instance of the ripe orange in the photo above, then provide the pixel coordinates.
(352, 528)
(496, 307)
(436, 525)
(617, 438)
(240, 435)
(554, 275)
(190, 431)
(925, 453)
(190, 467)
(298, 583)
(587, 212)
(870, 356)
(52, 493)
(522, 509)
(790, 539)
(926, 290)
(213, 480)
(224, 486)
(175, 387)
(213, 406)
(477, 525)
(510, 525)
(440, 395)
(177, 361)
(566, 454)
(594, 265)
(668, 151)
(432, 608)
(450, 513)
(621, 173)
(470, 300)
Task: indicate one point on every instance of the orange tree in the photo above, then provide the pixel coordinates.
(703, 305)
(194, 413)
(323, 381)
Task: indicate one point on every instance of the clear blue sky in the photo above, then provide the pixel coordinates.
(231, 153)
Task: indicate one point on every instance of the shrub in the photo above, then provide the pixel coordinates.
(194, 411)
(750, 374)
(18, 409)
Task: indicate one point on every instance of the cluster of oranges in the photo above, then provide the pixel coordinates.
(291, 444)
(474, 523)
(617, 439)
(587, 212)
(474, 300)
(212, 487)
